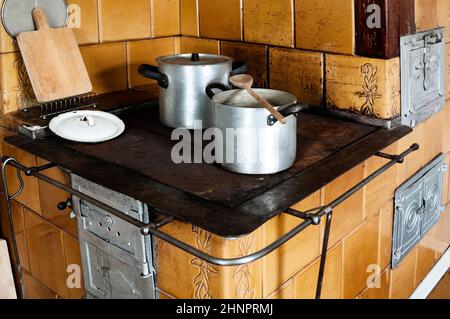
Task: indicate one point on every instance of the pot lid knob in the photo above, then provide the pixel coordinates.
(195, 57)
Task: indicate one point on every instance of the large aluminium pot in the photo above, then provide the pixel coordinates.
(182, 79)
(253, 141)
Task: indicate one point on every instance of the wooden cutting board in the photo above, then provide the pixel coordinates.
(7, 288)
(53, 61)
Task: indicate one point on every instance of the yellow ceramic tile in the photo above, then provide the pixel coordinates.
(124, 19)
(107, 66)
(287, 291)
(36, 290)
(30, 195)
(220, 19)
(403, 277)
(146, 52)
(46, 252)
(348, 215)
(380, 288)
(290, 258)
(83, 19)
(360, 251)
(306, 282)
(443, 235)
(269, 21)
(165, 296)
(446, 137)
(325, 25)
(364, 86)
(426, 14)
(165, 17)
(73, 258)
(189, 17)
(19, 231)
(433, 136)
(382, 188)
(51, 196)
(385, 234)
(447, 57)
(16, 89)
(297, 72)
(254, 55)
(182, 275)
(194, 45)
(426, 254)
(445, 188)
(414, 162)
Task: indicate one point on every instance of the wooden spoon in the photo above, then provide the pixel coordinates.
(245, 81)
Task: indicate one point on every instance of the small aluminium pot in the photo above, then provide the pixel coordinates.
(182, 79)
(252, 140)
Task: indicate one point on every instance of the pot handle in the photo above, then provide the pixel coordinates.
(239, 67)
(216, 85)
(152, 72)
(294, 109)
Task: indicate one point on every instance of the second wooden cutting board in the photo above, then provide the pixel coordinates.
(53, 61)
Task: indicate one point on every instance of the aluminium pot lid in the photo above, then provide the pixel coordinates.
(242, 99)
(17, 17)
(87, 126)
(194, 59)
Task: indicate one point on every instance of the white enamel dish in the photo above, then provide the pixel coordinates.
(87, 126)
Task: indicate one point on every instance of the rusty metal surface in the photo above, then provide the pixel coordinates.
(143, 150)
(138, 164)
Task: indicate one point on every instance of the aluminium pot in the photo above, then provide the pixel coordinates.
(253, 141)
(182, 79)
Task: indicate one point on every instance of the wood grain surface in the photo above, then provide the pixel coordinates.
(53, 61)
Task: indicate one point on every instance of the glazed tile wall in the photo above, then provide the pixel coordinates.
(115, 37)
(318, 39)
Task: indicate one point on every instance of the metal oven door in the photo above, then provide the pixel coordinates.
(422, 75)
(417, 208)
(111, 273)
(409, 205)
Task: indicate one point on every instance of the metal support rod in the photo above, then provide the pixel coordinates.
(8, 198)
(323, 257)
(397, 160)
(150, 229)
(39, 169)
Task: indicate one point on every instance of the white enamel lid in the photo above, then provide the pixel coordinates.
(87, 126)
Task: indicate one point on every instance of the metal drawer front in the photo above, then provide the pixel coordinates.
(422, 75)
(417, 208)
(113, 274)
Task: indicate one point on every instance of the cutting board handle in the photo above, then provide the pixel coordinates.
(40, 19)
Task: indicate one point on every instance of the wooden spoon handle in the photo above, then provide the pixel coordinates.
(267, 105)
(40, 19)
